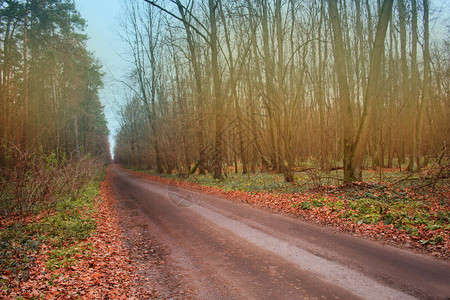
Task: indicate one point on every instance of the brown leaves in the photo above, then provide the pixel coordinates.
(100, 269)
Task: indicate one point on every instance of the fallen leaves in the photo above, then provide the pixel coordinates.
(98, 267)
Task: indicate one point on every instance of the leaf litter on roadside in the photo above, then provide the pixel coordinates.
(94, 267)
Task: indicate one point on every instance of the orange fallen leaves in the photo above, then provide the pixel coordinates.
(106, 273)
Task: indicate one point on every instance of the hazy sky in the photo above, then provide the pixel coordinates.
(102, 17)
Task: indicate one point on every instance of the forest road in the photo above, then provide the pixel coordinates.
(217, 249)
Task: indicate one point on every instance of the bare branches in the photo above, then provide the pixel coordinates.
(205, 38)
(286, 102)
(38, 180)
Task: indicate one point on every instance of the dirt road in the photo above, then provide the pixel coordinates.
(191, 245)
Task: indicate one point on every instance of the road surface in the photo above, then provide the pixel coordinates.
(218, 249)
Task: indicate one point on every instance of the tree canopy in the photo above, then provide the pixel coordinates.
(49, 82)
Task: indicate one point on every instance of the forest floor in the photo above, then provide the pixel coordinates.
(73, 252)
(405, 213)
(84, 249)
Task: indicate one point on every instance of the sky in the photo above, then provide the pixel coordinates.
(102, 18)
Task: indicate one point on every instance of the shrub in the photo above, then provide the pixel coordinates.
(39, 180)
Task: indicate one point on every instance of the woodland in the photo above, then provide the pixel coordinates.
(332, 111)
(53, 140)
(284, 86)
(49, 82)
(52, 122)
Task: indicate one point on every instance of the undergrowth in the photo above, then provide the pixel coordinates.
(69, 222)
(270, 182)
(257, 182)
(406, 214)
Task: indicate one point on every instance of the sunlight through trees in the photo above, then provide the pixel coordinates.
(283, 85)
(49, 83)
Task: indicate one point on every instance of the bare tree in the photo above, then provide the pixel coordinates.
(254, 82)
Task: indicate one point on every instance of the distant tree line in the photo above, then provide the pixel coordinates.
(49, 83)
(280, 85)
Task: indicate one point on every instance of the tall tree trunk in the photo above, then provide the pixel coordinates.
(426, 77)
(362, 58)
(391, 98)
(25, 124)
(250, 90)
(320, 89)
(270, 94)
(354, 151)
(344, 92)
(217, 87)
(414, 89)
(198, 88)
(279, 30)
(153, 91)
(362, 137)
(233, 94)
(405, 90)
(369, 27)
(6, 92)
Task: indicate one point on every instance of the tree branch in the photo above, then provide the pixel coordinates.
(179, 19)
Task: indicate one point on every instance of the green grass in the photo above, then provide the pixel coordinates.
(71, 221)
(406, 214)
(66, 256)
(268, 182)
(257, 182)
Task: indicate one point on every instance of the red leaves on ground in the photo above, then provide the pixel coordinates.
(101, 269)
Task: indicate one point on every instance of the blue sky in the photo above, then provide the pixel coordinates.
(102, 17)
